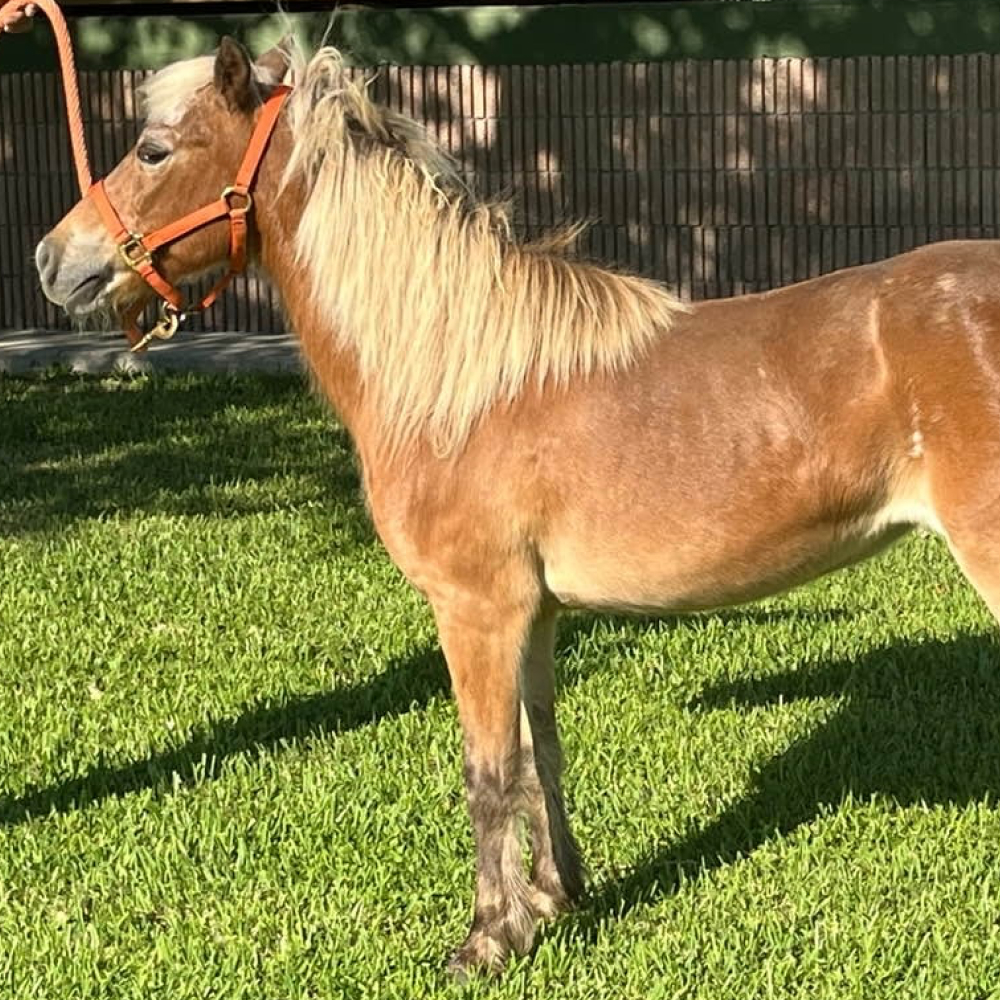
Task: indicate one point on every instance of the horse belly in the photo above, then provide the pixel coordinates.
(654, 572)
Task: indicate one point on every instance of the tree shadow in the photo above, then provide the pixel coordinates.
(407, 684)
(258, 727)
(920, 723)
(78, 448)
(718, 176)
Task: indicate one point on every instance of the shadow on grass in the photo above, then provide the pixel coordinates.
(920, 724)
(260, 728)
(406, 684)
(217, 446)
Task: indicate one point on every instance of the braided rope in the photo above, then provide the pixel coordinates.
(11, 14)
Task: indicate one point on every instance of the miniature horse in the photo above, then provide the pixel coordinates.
(539, 433)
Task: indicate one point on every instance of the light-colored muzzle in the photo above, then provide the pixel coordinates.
(78, 268)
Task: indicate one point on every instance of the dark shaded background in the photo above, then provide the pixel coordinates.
(716, 175)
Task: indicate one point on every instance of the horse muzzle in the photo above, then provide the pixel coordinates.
(75, 277)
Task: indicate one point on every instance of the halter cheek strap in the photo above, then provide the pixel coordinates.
(234, 203)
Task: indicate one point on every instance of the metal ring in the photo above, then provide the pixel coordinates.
(227, 195)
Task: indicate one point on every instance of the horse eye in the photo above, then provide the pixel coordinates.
(151, 155)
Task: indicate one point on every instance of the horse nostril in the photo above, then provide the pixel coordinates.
(47, 261)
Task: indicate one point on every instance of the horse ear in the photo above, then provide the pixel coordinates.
(273, 64)
(234, 75)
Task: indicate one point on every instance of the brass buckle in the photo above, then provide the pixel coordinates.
(227, 195)
(133, 251)
(165, 328)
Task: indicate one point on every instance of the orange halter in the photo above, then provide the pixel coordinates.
(137, 251)
(235, 202)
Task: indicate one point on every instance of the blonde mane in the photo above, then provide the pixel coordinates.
(447, 313)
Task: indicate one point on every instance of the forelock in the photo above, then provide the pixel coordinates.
(166, 95)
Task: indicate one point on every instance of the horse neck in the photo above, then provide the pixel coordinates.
(438, 314)
(333, 364)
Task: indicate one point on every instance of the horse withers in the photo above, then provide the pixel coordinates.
(538, 433)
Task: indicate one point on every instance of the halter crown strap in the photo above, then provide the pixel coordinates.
(235, 202)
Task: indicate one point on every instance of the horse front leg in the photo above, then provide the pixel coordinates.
(483, 645)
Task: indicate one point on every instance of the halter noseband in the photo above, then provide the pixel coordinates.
(235, 202)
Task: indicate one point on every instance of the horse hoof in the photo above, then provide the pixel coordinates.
(479, 955)
(548, 905)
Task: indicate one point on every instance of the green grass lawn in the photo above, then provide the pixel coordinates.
(230, 767)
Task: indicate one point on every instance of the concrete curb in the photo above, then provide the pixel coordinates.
(29, 351)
